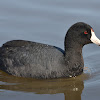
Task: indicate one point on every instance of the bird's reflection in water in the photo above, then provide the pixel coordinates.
(72, 87)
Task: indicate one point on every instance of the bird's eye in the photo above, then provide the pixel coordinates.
(85, 32)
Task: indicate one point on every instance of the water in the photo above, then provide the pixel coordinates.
(47, 21)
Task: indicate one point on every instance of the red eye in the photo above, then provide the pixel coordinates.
(85, 32)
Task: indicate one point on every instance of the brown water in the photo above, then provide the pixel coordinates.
(70, 89)
(47, 21)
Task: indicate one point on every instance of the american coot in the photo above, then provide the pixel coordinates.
(36, 60)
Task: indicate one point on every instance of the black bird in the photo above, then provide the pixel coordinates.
(30, 59)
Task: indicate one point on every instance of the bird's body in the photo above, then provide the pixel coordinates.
(37, 60)
(31, 59)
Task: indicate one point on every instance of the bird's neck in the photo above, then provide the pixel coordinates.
(74, 58)
(73, 50)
